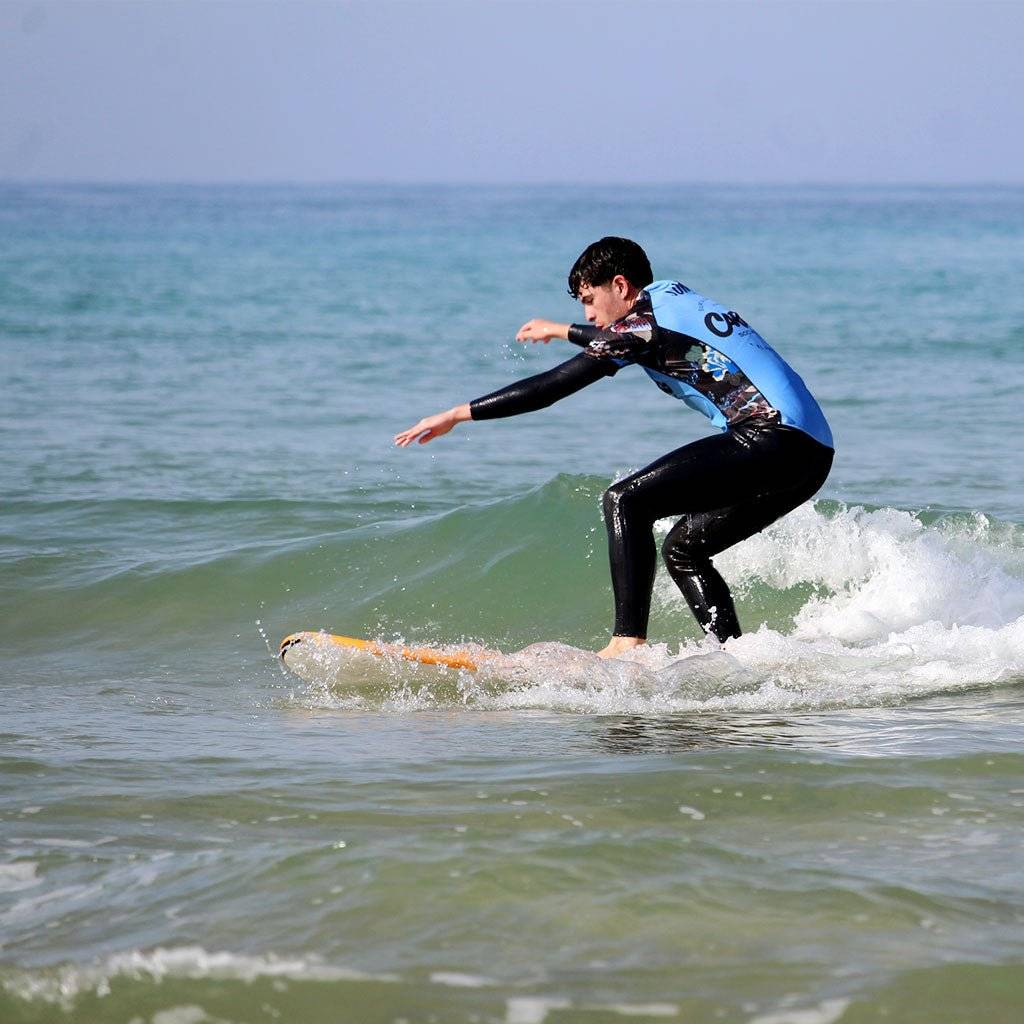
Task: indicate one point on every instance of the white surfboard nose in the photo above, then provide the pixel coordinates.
(288, 642)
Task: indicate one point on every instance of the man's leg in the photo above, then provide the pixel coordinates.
(689, 564)
(727, 487)
(702, 476)
(697, 536)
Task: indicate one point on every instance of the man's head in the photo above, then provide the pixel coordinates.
(607, 278)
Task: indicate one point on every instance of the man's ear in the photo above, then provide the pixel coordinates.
(620, 286)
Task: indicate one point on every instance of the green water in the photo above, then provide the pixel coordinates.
(819, 823)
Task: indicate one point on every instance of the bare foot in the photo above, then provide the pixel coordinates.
(619, 644)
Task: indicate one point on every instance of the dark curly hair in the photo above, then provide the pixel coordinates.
(604, 259)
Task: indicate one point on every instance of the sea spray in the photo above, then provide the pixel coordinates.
(897, 609)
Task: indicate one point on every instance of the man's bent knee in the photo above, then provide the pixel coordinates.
(616, 500)
(682, 555)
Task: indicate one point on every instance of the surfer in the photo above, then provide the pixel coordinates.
(773, 453)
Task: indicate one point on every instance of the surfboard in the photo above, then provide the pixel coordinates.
(310, 642)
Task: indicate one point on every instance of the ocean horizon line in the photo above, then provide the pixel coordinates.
(498, 184)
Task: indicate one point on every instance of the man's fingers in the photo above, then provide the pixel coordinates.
(404, 438)
(526, 332)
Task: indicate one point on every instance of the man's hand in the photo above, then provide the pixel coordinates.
(542, 330)
(433, 426)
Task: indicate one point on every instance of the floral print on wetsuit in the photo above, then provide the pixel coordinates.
(637, 338)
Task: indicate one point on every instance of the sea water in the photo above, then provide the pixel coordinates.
(819, 822)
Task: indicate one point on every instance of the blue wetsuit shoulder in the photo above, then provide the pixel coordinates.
(737, 374)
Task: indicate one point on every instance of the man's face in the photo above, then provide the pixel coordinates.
(606, 303)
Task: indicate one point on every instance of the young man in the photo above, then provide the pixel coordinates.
(774, 452)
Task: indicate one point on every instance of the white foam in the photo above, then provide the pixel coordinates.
(535, 1009)
(824, 1013)
(532, 1009)
(899, 609)
(455, 980)
(642, 1009)
(62, 985)
(885, 571)
(188, 1014)
(896, 609)
(19, 875)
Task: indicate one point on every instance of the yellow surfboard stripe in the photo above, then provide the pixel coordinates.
(423, 655)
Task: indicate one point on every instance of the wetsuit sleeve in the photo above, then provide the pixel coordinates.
(543, 389)
(628, 340)
(583, 334)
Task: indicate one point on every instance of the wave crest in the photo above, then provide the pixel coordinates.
(892, 606)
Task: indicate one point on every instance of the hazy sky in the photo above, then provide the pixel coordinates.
(510, 90)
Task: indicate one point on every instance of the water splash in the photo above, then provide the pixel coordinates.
(899, 608)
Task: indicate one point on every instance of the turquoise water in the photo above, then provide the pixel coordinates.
(820, 822)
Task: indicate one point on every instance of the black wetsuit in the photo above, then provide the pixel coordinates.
(774, 454)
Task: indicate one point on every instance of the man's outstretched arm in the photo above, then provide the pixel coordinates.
(528, 395)
(542, 389)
